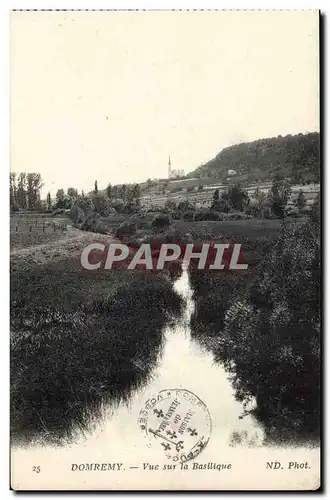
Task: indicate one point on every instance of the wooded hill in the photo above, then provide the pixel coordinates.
(296, 157)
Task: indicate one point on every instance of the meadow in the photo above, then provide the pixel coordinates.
(35, 229)
(79, 340)
(97, 335)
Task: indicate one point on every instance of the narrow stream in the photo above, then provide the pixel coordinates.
(183, 364)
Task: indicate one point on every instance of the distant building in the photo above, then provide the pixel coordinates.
(172, 173)
(231, 172)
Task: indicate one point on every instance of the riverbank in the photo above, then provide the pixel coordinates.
(79, 339)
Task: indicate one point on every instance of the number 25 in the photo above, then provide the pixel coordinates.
(36, 468)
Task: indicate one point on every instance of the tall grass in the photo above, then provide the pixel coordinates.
(69, 359)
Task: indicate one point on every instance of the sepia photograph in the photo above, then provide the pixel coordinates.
(165, 258)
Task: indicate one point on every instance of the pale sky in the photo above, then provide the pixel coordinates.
(109, 95)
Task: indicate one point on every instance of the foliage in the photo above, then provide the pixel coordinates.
(279, 195)
(272, 334)
(72, 193)
(189, 215)
(125, 229)
(49, 202)
(170, 205)
(301, 200)
(185, 206)
(84, 361)
(101, 204)
(238, 197)
(294, 156)
(315, 215)
(108, 191)
(161, 222)
(85, 203)
(221, 205)
(206, 215)
(25, 191)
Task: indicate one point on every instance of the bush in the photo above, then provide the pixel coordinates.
(272, 334)
(185, 206)
(161, 222)
(188, 216)
(176, 215)
(125, 229)
(221, 205)
(101, 204)
(236, 216)
(210, 215)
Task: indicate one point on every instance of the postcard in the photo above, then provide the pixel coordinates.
(165, 250)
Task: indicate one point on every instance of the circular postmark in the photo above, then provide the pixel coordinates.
(178, 422)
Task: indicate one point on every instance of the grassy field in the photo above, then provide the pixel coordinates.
(74, 347)
(27, 230)
(97, 335)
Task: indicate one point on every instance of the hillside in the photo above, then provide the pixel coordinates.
(295, 156)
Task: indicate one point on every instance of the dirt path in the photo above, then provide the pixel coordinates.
(68, 247)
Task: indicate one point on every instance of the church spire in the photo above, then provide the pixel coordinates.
(169, 167)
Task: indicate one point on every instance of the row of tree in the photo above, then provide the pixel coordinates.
(25, 194)
(237, 198)
(25, 191)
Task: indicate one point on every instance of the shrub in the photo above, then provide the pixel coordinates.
(221, 205)
(279, 195)
(236, 216)
(176, 215)
(272, 334)
(210, 215)
(185, 206)
(188, 216)
(161, 222)
(125, 229)
(101, 204)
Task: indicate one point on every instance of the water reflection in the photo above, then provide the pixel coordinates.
(184, 364)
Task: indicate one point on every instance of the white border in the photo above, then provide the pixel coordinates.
(5, 7)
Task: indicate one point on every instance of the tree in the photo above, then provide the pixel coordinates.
(161, 222)
(170, 205)
(49, 202)
(301, 200)
(185, 206)
(149, 185)
(123, 192)
(136, 194)
(72, 193)
(60, 199)
(101, 204)
(258, 203)
(34, 185)
(85, 203)
(109, 191)
(21, 197)
(272, 334)
(216, 195)
(238, 197)
(222, 204)
(279, 195)
(95, 187)
(13, 192)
